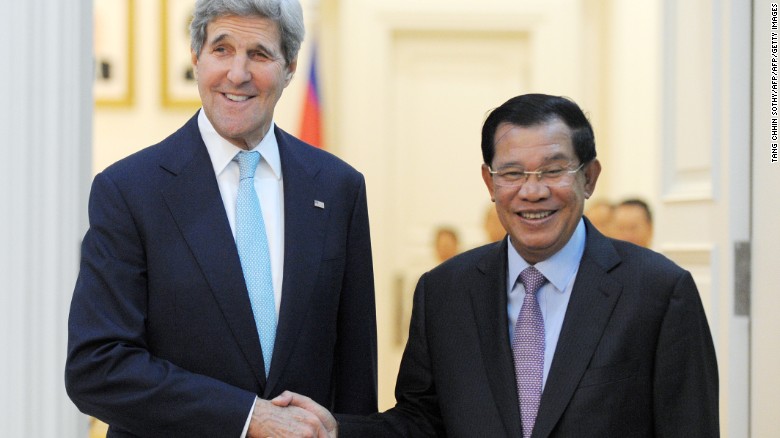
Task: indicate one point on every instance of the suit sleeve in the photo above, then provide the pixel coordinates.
(355, 372)
(416, 413)
(110, 372)
(686, 372)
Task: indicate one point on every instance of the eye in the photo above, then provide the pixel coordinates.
(258, 56)
(511, 174)
(553, 173)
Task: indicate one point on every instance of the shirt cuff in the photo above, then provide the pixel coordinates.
(248, 420)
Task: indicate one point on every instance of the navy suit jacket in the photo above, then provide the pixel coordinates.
(162, 341)
(635, 356)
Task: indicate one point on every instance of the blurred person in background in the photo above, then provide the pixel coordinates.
(446, 243)
(492, 225)
(633, 222)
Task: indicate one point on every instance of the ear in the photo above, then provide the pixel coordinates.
(194, 59)
(488, 181)
(592, 171)
(291, 68)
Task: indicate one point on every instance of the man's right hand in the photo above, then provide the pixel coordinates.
(287, 420)
(289, 399)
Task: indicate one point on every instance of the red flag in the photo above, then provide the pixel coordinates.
(311, 123)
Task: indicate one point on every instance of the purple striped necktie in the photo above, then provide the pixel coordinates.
(528, 350)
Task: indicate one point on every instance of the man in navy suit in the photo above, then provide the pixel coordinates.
(619, 342)
(162, 337)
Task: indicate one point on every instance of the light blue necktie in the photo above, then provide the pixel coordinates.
(252, 246)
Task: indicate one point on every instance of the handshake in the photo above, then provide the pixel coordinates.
(291, 415)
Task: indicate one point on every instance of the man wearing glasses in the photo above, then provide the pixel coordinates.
(557, 330)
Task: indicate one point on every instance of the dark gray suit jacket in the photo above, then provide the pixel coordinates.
(162, 341)
(635, 356)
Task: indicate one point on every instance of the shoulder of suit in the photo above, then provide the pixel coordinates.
(305, 151)
(467, 258)
(637, 258)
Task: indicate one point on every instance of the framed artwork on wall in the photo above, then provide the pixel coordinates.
(179, 88)
(113, 53)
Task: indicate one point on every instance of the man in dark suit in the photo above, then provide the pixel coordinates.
(164, 339)
(614, 343)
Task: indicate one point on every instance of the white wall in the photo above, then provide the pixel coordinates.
(630, 119)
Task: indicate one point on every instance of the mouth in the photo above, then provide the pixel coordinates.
(236, 97)
(535, 215)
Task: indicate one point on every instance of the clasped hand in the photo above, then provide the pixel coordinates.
(291, 415)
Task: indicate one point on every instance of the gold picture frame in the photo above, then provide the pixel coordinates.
(178, 87)
(114, 57)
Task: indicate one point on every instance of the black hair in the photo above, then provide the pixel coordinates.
(636, 202)
(536, 109)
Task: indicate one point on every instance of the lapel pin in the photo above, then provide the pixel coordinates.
(319, 204)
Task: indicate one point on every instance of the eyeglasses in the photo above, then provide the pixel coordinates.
(555, 176)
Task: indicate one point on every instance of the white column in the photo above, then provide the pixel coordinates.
(45, 141)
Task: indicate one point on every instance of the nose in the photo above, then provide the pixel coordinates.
(238, 72)
(533, 190)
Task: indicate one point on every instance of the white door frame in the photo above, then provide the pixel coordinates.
(765, 220)
(704, 172)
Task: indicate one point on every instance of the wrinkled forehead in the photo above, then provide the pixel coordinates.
(535, 145)
(252, 28)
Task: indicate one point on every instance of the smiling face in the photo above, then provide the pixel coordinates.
(540, 219)
(241, 73)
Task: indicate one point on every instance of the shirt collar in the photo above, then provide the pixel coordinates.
(558, 269)
(222, 151)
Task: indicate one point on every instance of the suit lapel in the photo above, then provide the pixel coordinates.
(489, 302)
(195, 203)
(304, 233)
(592, 301)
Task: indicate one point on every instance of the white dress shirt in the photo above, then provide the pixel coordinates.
(560, 270)
(269, 187)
